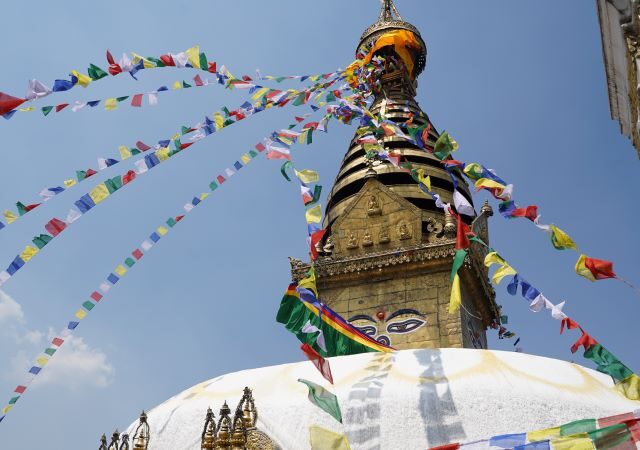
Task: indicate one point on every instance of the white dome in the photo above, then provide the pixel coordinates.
(406, 399)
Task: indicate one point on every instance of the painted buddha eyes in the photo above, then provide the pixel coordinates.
(405, 326)
(368, 330)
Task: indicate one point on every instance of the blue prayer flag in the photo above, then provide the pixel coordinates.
(93, 103)
(63, 85)
(508, 440)
(73, 325)
(155, 237)
(151, 160)
(112, 278)
(85, 203)
(35, 370)
(540, 445)
(237, 165)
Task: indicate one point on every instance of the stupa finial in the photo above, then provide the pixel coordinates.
(387, 10)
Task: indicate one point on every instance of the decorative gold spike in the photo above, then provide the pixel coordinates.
(142, 434)
(208, 438)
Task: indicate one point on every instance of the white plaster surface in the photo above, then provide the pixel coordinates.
(410, 399)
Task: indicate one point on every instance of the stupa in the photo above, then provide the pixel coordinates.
(384, 265)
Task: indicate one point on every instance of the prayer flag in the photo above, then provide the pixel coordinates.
(110, 104)
(28, 253)
(99, 193)
(8, 103)
(323, 399)
(55, 226)
(83, 80)
(594, 269)
(455, 299)
(321, 364)
(314, 214)
(323, 439)
(307, 176)
(95, 72)
(462, 204)
(561, 240)
(136, 101)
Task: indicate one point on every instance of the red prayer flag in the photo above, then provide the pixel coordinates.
(61, 106)
(213, 67)
(97, 296)
(462, 241)
(55, 226)
(142, 146)
(447, 447)
(570, 323)
(20, 389)
(600, 268)
(321, 364)
(260, 147)
(530, 212)
(57, 342)
(31, 207)
(114, 68)
(187, 145)
(220, 179)
(179, 218)
(585, 341)
(90, 172)
(198, 80)
(167, 60)
(128, 177)
(9, 103)
(315, 238)
(137, 100)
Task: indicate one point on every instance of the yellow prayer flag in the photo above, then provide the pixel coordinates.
(472, 169)
(121, 270)
(80, 314)
(259, 93)
(99, 193)
(302, 139)
(307, 176)
(203, 196)
(489, 184)
(162, 231)
(125, 153)
(27, 109)
(83, 80)
(424, 179)
(542, 435)
(69, 183)
(28, 253)
(219, 120)
(504, 271)
(42, 361)
(110, 104)
(285, 140)
(177, 85)
(194, 57)
(162, 153)
(6, 409)
(9, 216)
(456, 296)
(323, 439)
(574, 442)
(309, 282)
(314, 215)
(561, 240)
(630, 387)
(245, 159)
(583, 270)
(146, 63)
(493, 258)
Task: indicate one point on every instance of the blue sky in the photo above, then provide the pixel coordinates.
(520, 85)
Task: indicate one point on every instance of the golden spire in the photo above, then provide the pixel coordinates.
(142, 434)
(208, 439)
(387, 9)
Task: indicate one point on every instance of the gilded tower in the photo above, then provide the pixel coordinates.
(385, 260)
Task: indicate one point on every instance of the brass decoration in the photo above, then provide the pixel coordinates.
(367, 241)
(404, 232)
(353, 241)
(142, 434)
(103, 443)
(328, 245)
(383, 237)
(115, 441)
(373, 207)
(208, 438)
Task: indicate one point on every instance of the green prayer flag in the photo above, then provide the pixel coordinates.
(310, 136)
(331, 97)
(88, 305)
(130, 262)
(204, 63)
(185, 85)
(134, 151)
(504, 320)
(578, 426)
(213, 186)
(41, 241)
(280, 79)
(323, 399)
(157, 61)
(611, 437)
(14, 400)
(113, 184)
(185, 130)
(50, 351)
(607, 362)
(46, 110)
(22, 210)
(95, 72)
(121, 99)
(171, 222)
(81, 175)
(444, 146)
(253, 153)
(458, 261)
(300, 100)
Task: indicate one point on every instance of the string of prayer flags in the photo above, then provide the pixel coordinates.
(323, 439)
(620, 432)
(323, 399)
(98, 295)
